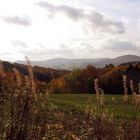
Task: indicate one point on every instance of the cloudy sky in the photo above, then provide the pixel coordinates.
(44, 29)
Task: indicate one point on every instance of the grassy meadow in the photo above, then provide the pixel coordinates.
(114, 104)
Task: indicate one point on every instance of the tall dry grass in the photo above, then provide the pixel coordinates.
(21, 119)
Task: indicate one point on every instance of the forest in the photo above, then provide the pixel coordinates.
(77, 80)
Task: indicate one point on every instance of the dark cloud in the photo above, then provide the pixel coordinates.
(94, 20)
(71, 12)
(18, 20)
(99, 21)
(117, 45)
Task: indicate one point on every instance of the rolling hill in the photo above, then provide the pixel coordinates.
(69, 64)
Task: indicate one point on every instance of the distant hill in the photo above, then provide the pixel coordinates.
(69, 64)
(124, 59)
(64, 63)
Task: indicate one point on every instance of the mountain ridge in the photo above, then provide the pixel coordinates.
(69, 64)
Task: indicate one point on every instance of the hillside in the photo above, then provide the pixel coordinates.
(110, 78)
(40, 73)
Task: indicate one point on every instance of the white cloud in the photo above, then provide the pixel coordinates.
(74, 29)
(94, 19)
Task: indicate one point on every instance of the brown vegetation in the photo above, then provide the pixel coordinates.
(22, 119)
(110, 77)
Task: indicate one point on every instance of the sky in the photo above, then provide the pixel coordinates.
(45, 29)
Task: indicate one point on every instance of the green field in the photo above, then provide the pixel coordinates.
(67, 117)
(81, 102)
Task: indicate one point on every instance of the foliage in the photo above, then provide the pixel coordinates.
(110, 77)
(26, 115)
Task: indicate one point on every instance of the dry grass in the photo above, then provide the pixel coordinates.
(22, 119)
